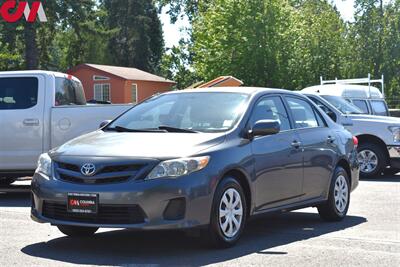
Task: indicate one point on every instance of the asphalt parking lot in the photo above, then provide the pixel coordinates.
(369, 236)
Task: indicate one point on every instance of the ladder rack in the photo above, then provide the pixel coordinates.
(357, 81)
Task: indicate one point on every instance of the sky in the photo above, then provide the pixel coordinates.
(172, 33)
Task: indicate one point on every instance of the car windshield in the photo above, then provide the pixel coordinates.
(342, 105)
(184, 112)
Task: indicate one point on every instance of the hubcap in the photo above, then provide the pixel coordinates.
(230, 212)
(368, 161)
(341, 193)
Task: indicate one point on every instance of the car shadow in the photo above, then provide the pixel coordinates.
(166, 248)
(15, 195)
(383, 178)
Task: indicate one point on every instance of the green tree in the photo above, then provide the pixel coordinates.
(269, 42)
(317, 36)
(138, 41)
(241, 38)
(375, 43)
(176, 65)
(36, 41)
(391, 50)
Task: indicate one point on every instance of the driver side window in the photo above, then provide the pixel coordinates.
(271, 108)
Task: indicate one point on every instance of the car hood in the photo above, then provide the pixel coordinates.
(141, 145)
(372, 118)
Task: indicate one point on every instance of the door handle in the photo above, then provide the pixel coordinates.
(31, 122)
(330, 139)
(296, 144)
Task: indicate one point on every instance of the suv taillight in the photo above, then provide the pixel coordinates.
(355, 141)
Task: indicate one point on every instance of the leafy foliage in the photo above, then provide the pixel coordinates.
(138, 41)
(126, 33)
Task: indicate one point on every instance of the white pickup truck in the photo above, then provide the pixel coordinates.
(378, 136)
(40, 110)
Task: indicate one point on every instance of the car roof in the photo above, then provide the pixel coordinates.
(345, 90)
(22, 72)
(38, 72)
(241, 89)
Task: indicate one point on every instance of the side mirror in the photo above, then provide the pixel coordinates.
(265, 127)
(328, 112)
(104, 123)
(331, 115)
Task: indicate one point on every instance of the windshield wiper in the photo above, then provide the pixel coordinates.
(175, 129)
(128, 130)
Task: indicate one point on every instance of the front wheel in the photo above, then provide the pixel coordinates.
(372, 160)
(337, 205)
(77, 231)
(228, 215)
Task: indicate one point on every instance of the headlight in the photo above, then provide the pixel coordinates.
(396, 133)
(178, 167)
(44, 165)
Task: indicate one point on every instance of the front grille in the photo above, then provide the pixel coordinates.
(107, 214)
(77, 180)
(104, 175)
(68, 166)
(120, 168)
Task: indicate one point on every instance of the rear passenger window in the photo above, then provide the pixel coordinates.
(69, 92)
(271, 108)
(303, 113)
(379, 107)
(18, 93)
(361, 104)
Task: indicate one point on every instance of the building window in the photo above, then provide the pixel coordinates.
(134, 93)
(102, 92)
(100, 78)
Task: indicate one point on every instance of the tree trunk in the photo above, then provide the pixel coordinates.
(31, 49)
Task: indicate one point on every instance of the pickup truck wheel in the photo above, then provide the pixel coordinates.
(371, 159)
(335, 208)
(228, 214)
(77, 231)
(6, 181)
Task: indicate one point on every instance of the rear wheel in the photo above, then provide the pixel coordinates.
(335, 208)
(77, 231)
(372, 160)
(7, 181)
(228, 215)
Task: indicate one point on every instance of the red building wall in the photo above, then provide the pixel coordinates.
(120, 88)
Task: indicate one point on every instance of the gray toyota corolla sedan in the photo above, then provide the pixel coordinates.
(205, 159)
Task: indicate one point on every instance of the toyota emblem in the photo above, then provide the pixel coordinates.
(88, 169)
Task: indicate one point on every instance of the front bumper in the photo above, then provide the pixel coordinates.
(394, 155)
(152, 198)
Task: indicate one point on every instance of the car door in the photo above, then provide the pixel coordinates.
(318, 143)
(278, 160)
(21, 121)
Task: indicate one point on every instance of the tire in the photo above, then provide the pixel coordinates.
(332, 210)
(77, 231)
(372, 160)
(214, 235)
(7, 181)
